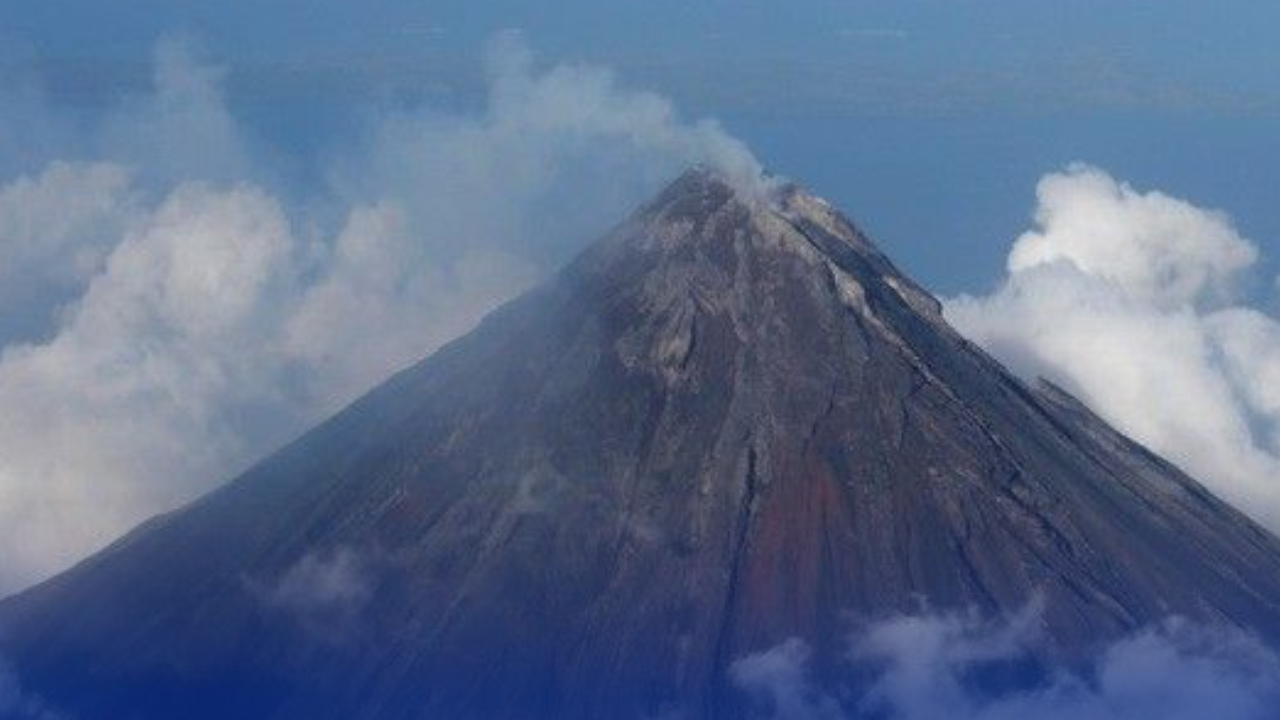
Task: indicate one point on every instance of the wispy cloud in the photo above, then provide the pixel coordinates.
(325, 592)
(176, 314)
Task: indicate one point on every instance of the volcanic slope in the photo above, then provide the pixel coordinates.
(728, 423)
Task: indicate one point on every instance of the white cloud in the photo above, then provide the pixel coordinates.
(1127, 299)
(777, 681)
(182, 129)
(921, 660)
(930, 667)
(202, 319)
(334, 582)
(148, 388)
(553, 158)
(55, 230)
(324, 594)
(383, 301)
(1154, 248)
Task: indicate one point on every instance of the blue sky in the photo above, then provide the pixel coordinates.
(929, 120)
(969, 54)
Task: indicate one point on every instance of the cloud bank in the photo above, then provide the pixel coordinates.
(941, 667)
(1131, 300)
(170, 311)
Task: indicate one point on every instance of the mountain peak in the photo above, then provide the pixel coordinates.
(729, 423)
(705, 215)
(702, 189)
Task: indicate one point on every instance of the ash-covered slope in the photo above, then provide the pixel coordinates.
(729, 423)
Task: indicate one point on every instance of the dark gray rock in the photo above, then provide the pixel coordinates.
(728, 423)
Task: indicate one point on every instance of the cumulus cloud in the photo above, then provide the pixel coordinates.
(152, 382)
(173, 316)
(1152, 247)
(55, 230)
(1131, 300)
(941, 666)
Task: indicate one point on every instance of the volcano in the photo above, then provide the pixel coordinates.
(730, 422)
